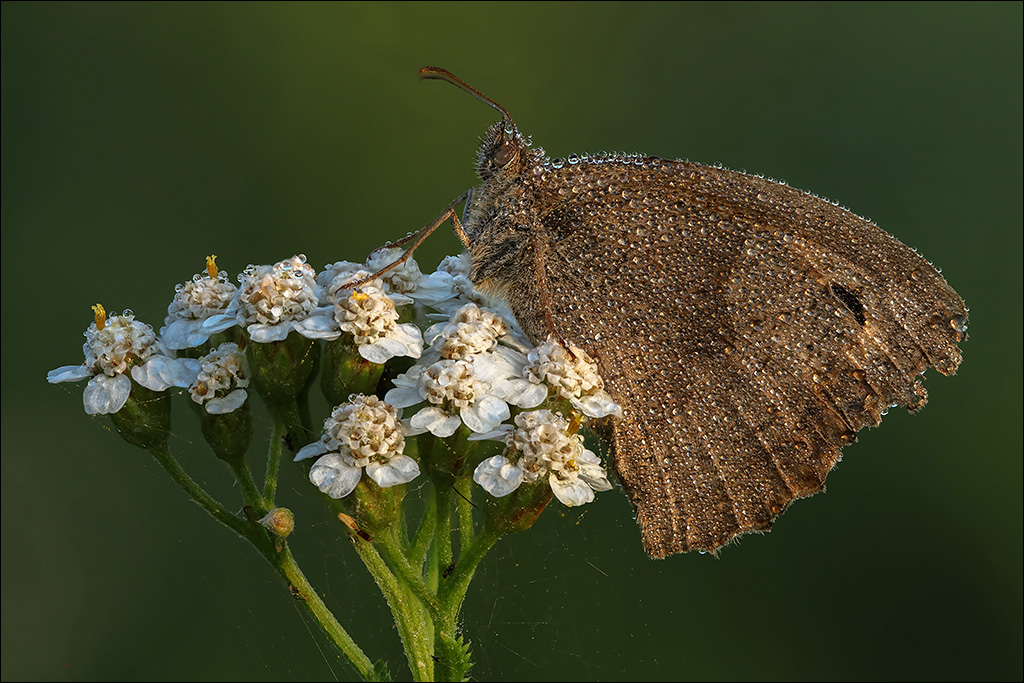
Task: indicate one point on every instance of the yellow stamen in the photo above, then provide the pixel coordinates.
(100, 315)
(211, 266)
(359, 296)
(575, 423)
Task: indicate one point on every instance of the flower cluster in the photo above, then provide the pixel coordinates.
(471, 370)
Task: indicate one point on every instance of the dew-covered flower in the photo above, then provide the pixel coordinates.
(223, 376)
(271, 300)
(456, 391)
(470, 330)
(573, 377)
(363, 433)
(542, 444)
(114, 347)
(448, 288)
(205, 296)
(369, 314)
(403, 278)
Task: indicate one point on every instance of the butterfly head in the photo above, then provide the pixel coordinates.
(503, 144)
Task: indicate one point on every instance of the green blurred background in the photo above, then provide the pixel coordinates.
(139, 138)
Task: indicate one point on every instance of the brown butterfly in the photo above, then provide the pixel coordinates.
(749, 330)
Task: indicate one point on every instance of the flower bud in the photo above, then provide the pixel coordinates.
(280, 522)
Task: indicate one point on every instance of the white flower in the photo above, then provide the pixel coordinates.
(541, 445)
(574, 378)
(368, 314)
(363, 433)
(194, 302)
(404, 278)
(448, 288)
(469, 331)
(220, 384)
(113, 347)
(457, 391)
(271, 300)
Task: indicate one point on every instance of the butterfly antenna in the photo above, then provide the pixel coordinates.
(437, 73)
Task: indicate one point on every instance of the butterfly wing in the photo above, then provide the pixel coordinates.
(749, 330)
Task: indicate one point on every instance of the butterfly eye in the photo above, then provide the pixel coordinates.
(504, 153)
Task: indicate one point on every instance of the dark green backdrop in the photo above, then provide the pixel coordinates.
(139, 138)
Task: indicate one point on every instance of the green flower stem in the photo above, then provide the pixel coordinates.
(281, 559)
(416, 632)
(424, 532)
(407, 573)
(203, 499)
(285, 563)
(250, 493)
(298, 433)
(465, 504)
(443, 534)
(453, 589)
(274, 460)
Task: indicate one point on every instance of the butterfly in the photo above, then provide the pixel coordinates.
(748, 329)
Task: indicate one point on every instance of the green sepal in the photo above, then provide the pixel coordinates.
(282, 370)
(345, 372)
(518, 510)
(229, 434)
(145, 419)
(377, 510)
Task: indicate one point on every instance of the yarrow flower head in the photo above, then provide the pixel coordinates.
(223, 376)
(363, 433)
(114, 347)
(402, 279)
(271, 300)
(368, 313)
(457, 392)
(543, 444)
(205, 296)
(471, 330)
(572, 377)
(449, 288)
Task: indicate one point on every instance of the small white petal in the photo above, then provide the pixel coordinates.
(219, 323)
(181, 334)
(499, 433)
(318, 327)
(264, 334)
(68, 373)
(571, 492)
(498, 476)
(160, 372)
(485, 414)
(313, 450)
(399, 470)
(382, 350)
(436, 421)
(403, 397)
(487, 369)
(334, 476)
(227, 404)
(106, 395)
(598, 405)
(524, 393)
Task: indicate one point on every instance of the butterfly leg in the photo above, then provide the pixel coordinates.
(417, 238)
